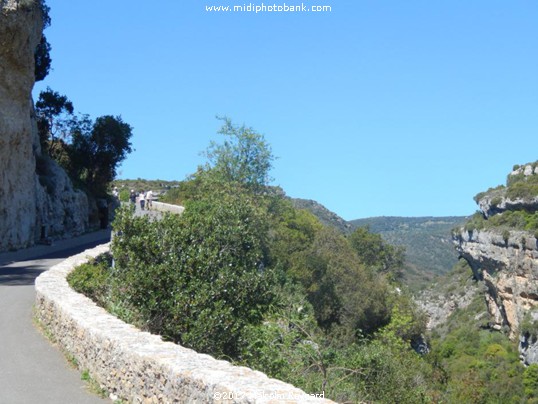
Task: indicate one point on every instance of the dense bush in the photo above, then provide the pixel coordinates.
(92, 279)
(202, 273)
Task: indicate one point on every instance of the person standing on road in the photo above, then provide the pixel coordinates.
(142, 199)
(132, 198)
(149, 199)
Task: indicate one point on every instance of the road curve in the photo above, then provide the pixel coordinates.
(32, 370)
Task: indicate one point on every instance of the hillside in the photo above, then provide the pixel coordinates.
(325, 216)
(427, 240)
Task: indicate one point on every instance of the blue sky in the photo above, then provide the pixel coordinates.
(377, 108)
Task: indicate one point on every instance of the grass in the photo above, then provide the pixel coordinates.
(93, 385)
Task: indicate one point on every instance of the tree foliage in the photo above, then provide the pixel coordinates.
(90, 151)
(199, 274)
(96, 153)
(42, 59)
(244, 156)
(54, 114)
(375, 253)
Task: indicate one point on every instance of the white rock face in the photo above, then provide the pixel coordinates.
(25, 204)
(20, 32)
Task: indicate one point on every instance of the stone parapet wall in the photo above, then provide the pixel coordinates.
(137, 366)
(166, 207)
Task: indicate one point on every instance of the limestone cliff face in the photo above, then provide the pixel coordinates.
(508, 268)
(505, 259)
(26, 205)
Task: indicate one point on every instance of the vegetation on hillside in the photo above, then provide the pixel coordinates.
(324, 215)
(245, 276)
(427, 244)
(473, 363)
(518, 187)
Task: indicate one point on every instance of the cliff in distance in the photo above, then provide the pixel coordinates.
(37, 200)
(500, 244)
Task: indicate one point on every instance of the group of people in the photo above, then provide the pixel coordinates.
(144, 198)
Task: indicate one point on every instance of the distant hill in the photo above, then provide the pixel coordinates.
(324, 215)
(427, 240)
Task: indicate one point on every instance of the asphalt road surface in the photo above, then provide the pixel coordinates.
(32, 370)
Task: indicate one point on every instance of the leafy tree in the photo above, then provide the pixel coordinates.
(54, 112)
(339, 287)
(375, 253)
(96, 154)
(89, 151)
(42, 57)
(244, 157)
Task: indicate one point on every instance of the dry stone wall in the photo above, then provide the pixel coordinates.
(166, 207)
(140, 367)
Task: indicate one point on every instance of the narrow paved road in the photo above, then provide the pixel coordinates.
(32, 370)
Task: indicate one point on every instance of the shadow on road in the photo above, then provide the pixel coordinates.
(24, 271)
(16, 275)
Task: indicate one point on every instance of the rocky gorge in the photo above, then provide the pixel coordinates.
(37, 199)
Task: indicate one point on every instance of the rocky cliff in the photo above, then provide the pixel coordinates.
(502, 250)
(508, 268)
(33, 204)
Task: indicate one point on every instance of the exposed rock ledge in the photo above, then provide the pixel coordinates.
(138, 366)
(496, 202)
(509, 269)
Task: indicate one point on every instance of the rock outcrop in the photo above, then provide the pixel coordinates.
(499, 200)
(505, 258)
(509, 270)
(32, 205)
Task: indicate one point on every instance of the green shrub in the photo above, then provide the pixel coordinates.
(476, 222)
(124, 195)
(513, 179)
(529, 326)
(496, 201)
(523, 190)
(91, 279)
(530, 380)
(497, 190)
(202, 273)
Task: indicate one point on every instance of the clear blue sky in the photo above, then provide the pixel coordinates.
(377, 108)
